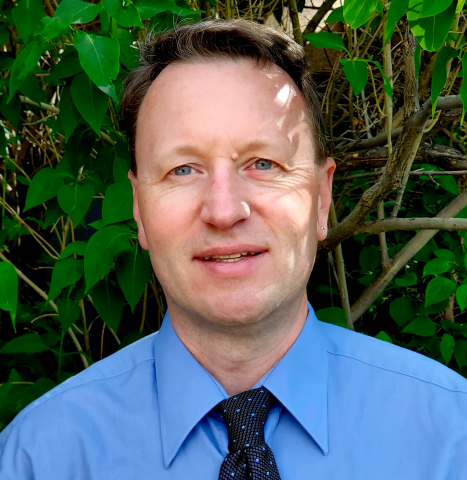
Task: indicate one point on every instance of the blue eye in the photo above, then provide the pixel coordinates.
(183, 170)
(263, 165)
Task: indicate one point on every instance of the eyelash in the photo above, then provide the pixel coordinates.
(273, 164)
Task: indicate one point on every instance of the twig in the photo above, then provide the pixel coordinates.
(403, 256)
(342, 282)
(52, 304)
(391, 224)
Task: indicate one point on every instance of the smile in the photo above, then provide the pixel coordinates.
(234, 257)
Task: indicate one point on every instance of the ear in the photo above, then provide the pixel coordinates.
(136, 213)
(325, 174)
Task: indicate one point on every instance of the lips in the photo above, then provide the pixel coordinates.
(230, 253)
(234, 257)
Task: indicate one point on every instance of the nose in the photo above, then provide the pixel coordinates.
(223, 202)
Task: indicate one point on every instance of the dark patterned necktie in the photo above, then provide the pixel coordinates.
(249, 457)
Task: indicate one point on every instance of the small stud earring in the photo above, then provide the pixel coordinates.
(322, 228)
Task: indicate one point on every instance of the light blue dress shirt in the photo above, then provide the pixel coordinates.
(351, 407)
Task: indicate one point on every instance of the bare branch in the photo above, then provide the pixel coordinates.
(391, 224)
(402, 257)
(318, 16)
(445, 157)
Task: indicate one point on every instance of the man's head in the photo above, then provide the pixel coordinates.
(226, 133)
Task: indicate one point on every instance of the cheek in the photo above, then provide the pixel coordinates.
(290, 218)
(166, 220)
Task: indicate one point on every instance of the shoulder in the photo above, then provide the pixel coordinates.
(98, 382)
(359, 351)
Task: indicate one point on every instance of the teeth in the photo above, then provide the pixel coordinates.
(228, 258)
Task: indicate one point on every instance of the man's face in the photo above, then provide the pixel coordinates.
(226, 168)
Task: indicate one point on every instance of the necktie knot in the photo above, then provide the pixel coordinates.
(245, 415)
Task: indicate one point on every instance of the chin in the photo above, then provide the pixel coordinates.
(241, 307)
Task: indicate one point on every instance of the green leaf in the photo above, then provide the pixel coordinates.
(76, 11)
(384, 336)
(463, 91)
(79, 147)
(369, 258)
(326, 40)
(356, 73)
(445, 254)
(407, 280)
(108, 302)
(386, 82)
(29, 343)
(460, 6)
(120, 169)
(402, 310)
(9, 290)
(27, 15)
(67, 67)
(24, 63)
(101, 249)
(435, 308)
(337, 15)
(417, 59)
(461, 297)
(129, 54)
(90, 101)
(75, 200)
(438, 289)
(134, 271)
(126, 16)
(431, 32)
(69, 114)
(65, 273)
(75, 248)
(30, 87)
(118, 203)
(397, 9)
(130, 338)
(68, 313)
(448, 182)
(460, 353)
(421, 325)
(427, 8)
(148, 8)
(67, 13)
(447, 347)
(99, 57)
(11, 110)
(333, 315)
(4, 34)
(439, 78)
(358, 12)
(44, 186)
(436, 266)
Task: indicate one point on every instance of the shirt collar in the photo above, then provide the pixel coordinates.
(300, 381)
(187, 392)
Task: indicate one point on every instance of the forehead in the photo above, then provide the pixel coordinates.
(219, 100)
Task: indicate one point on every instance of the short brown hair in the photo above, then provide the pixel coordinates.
(207, 41)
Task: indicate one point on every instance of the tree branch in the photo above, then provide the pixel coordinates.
(318, 16)
(412, 130)
(445, 157)
(391, 224)
(403, 256)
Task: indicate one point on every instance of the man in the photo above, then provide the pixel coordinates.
(231, 195)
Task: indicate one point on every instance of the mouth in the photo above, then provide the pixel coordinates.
(234, 257)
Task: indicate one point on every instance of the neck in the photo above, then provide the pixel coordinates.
(239, 357)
